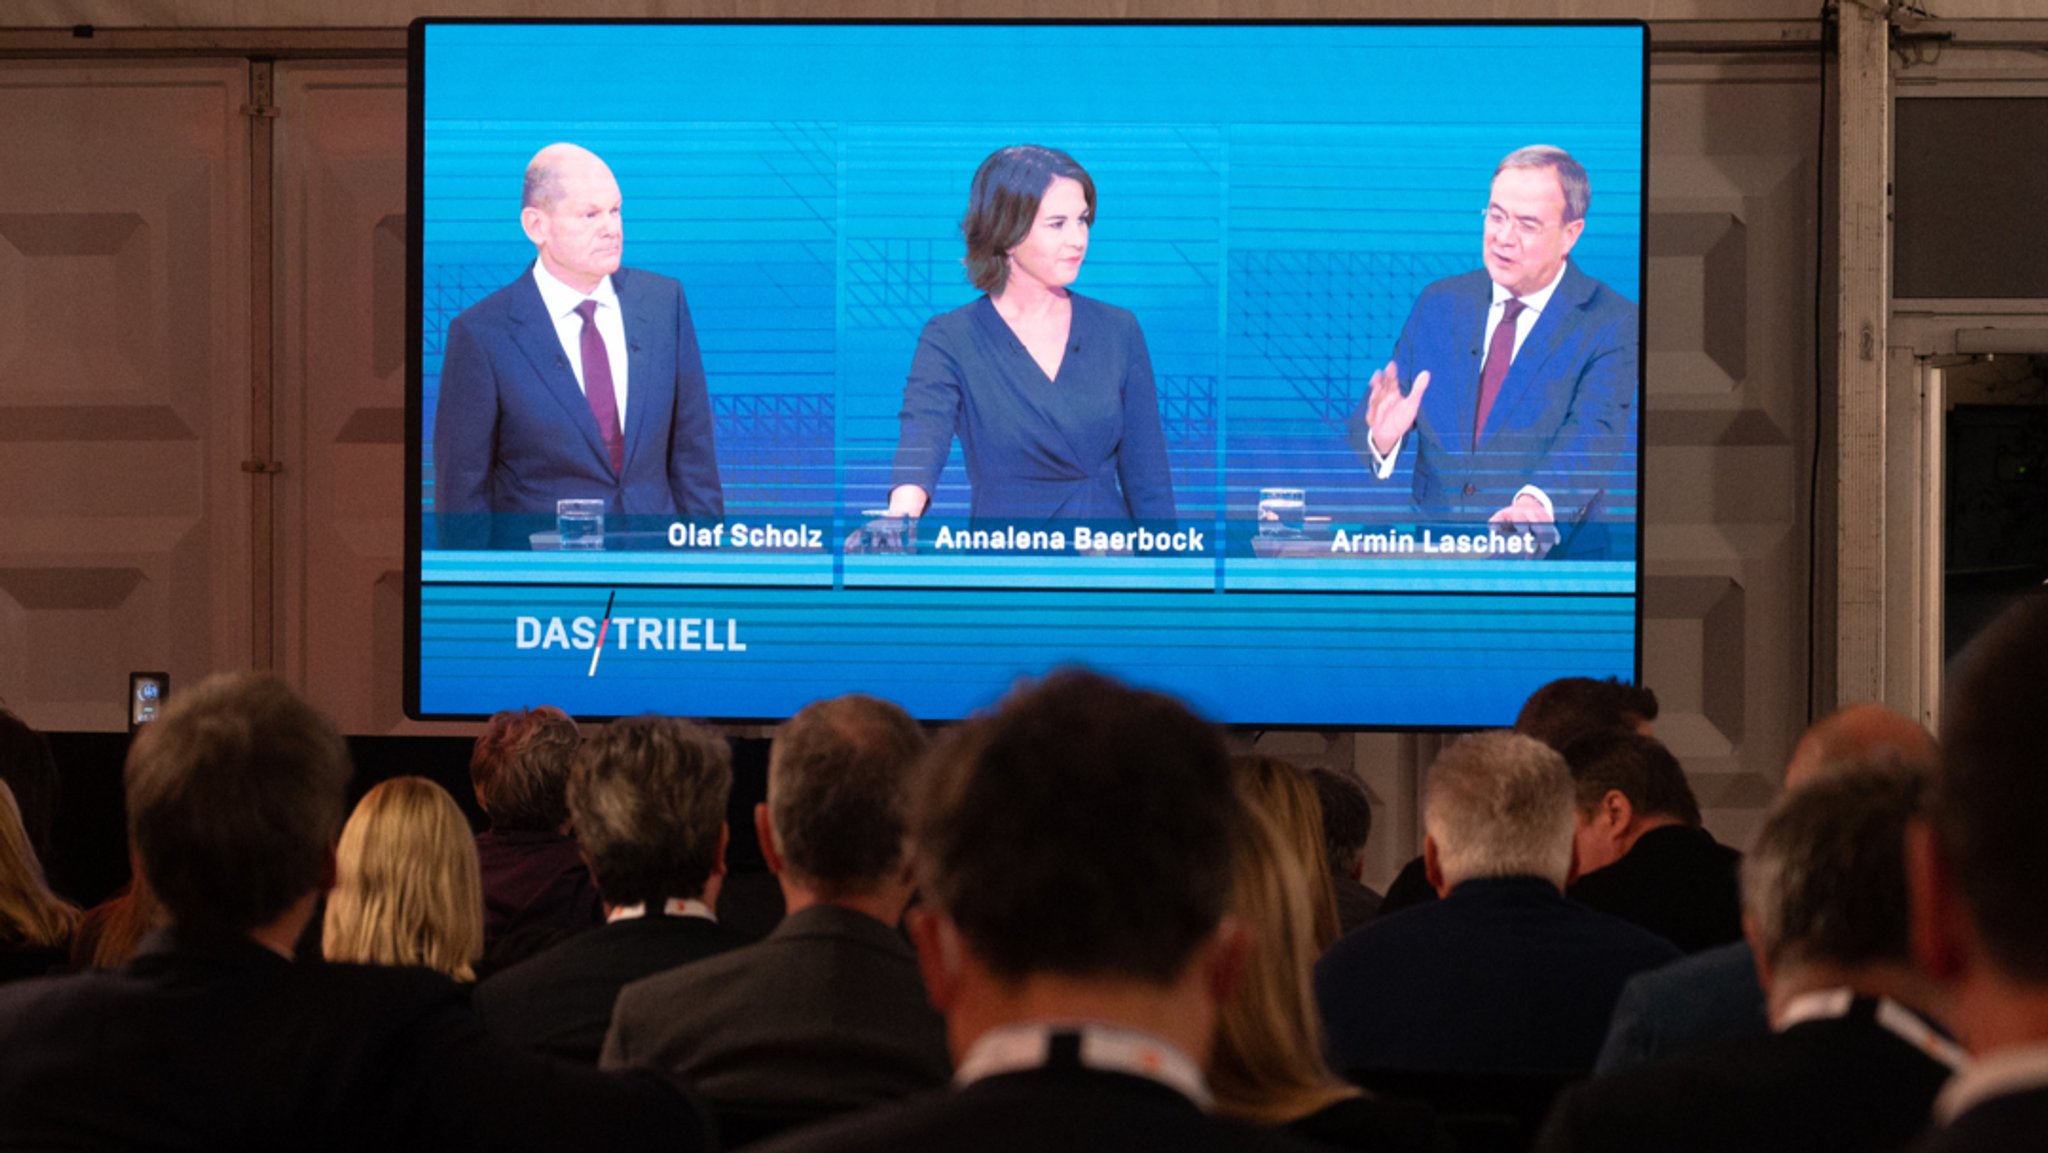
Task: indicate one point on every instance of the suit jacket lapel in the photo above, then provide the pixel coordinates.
(1460, 389)
(533, 331)
(640, 362)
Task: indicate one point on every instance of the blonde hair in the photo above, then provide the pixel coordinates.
(1286, 795)
(30, 914)
(1268, 1062)
(407, 889)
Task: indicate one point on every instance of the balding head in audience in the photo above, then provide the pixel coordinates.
(1497, 804)
(1080, 837)
(1861, 736)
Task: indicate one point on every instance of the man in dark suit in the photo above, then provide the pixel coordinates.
(1076, 850)
(214, 1038)
(1976, 868)
(1503, 975)
(1713, 995)
(1642, 854)
(1347, 825)
(647, 795)
(1557, 714)
(578, 379)
(1854, 1064)
(829, 1012)
(1520, 402)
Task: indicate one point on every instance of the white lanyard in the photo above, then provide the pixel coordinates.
(1901, 1022)
(1109, 1048)
(673, 907)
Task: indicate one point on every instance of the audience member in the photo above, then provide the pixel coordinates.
(1076, 849)
(1713, 995)
(828, 1013)
(213, 1038)
(537, 890)
(1854, 1063)
(648, 796)
(1557, 714)
(1979, 872)
(28, 768)
(1642, 854)
(405, 883)
(112, 931)
(35, 924)
(1503, 974)
(1285, 795)
(1347, 825)
(1268, 1064)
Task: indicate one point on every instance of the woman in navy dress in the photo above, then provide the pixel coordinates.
(1050, 393)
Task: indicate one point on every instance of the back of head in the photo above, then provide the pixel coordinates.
(1571, 707)
(1284, 795)
(30, 914)
(235, 797)
(838, 781)
(1861, 736)
(1347, 820)
(1826, 881)
(1638, 767)
(648, 796)
(520, 768)
(1993, 794)
(407, 889)
(1268, 1062)
(30, 770)
(1083, 829)
(1499, 804)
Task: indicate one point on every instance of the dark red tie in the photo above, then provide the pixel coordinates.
(1500, 352)
(597, 386)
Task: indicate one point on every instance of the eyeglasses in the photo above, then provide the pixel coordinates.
(1526, 229)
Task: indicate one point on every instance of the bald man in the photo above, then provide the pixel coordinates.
(1714, 996)
(580, 379)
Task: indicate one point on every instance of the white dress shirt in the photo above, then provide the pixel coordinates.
(1532, 307)
(560, 300)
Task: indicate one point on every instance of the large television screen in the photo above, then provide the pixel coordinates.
(1293, 369)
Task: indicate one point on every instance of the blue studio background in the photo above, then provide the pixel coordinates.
(1271, 201)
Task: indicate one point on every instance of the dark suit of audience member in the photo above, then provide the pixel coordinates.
(828, 1013)
(1080, 1017)
(1978, 868)
(1356, 903)
(1347, 826)
(537, 890)
(1503, 974)
(647, 795)
(1410, 888)
(215, 1039)
(1694, 1002)
(1677, 882)
(1853, 1066)
(1641, 852)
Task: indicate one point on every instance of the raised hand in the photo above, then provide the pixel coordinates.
(1388, 413)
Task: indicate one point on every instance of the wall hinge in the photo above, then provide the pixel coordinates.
(263, 467)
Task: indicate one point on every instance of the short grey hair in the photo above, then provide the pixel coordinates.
(838, 785)
(648, 797)
(1827, 878)
(1499, 804)
(1571, 175)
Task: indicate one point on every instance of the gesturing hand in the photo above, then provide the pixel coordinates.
(1389, 414)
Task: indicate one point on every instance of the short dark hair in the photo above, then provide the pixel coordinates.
(1347, 818)
(1993, 791)
(1640, 767)
(838, 779)
(1571, 707)
(1084, 828)
(1002, 205)
(1826, 880)
(520, 768)
(235, 798)
(648, 795)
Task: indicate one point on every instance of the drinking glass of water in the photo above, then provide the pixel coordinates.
(1282, 511)
(580, 523)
